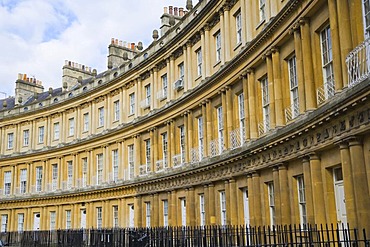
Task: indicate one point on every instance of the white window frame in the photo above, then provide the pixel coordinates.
(54, 177)
(182, 143)
(327, 61)
(39, 178)
(200, 138)
(148, 94)
(262, 10)
(69, 174)
(165, 212)
(302, 200)
(239, 26)
(271, 200)
(199, 61)
(220, 128)
(131, 161)
(148, 214)
(202, 210)
(99, 168)
(132, 103)
(4, 223)
(68, 219)
(84, 171)
(116, 110)
(56, 128)
(115, 162)
(293, 84)
(26, 137)
(53, 216)
(23, 181)
(218, 46)
(365, 14)
(7, 182)
(71, 123)
(115, 216)
(41, 134)
(86, 122)
(223, 208)
(165, 149)
(101, 116)
(241, 116)
(20, 222)
(265, 103)
(147, 153)
(164, 85)
(10, 140)
(183, 211)
(181, 70)
(99, 217)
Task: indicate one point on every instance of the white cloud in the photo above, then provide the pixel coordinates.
(36, 36)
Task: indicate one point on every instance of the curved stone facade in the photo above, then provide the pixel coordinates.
(242, 112)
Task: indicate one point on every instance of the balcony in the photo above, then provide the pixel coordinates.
(179, 84)
(145, 104)
(358, 63)
(178, 160)
(160, 165)
(162, 94)
(196, 154)
(216, 147)
(144, 169)
(325, 92)
(237, 138)
(263, 127)
(291, 112)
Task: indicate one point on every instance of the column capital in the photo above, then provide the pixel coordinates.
(206, 27)
(255, 174)
(250, 70)
(354, 140)
(303, 21)
(274, 50)
(226, 7)
(314, 156)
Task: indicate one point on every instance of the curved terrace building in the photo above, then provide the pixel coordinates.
(239, 112)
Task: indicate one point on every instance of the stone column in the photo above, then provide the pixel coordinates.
(271, 86)
(257, 199)
(173, 209)
(277, 201)
(334, 31)
(137, 158)
(251, 197)
(204, 50)
(207, 50)
(190, 207)
(189, 80)
(362, 198)
(212, 204)
(173, 142)
(317, 190)
(226, 8)
(153, 148)
(190, 135)
(279, 106)
(308, 190)
(229, 116)
(205, 140)
(137, 96)
(243, 6)
(234, 219)
(243, 77)
(153, 90)
(155, 211)
(171, 78)
(284, 195)
(209, 126)
(156, 86)
(222, 31)
(252, 104)
(348, 184)
(299, 64)
(138, 212)
(225, 120)
(310, 92)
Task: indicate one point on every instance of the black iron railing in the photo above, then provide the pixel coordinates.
(207, 236)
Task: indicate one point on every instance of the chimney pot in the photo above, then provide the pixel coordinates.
(176, 11)
(165, 10)
(181, 11)
(132, 46)
(171, 10)
(112, 41)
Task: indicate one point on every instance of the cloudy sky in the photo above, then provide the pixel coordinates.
(36, 36)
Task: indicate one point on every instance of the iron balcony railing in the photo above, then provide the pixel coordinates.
(358, 63)
(325, 92)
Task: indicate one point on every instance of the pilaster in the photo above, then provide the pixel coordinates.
(252, 104)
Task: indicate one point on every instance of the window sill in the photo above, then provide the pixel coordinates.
(217, 63)
(260, 24)
(237, 45)
(131, 115)
(199, 77)
(115, 121)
